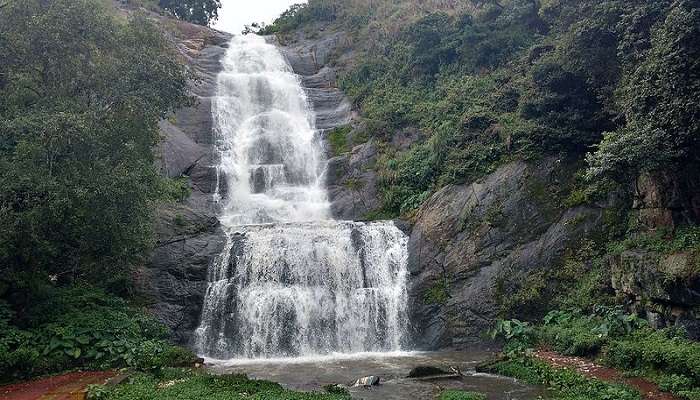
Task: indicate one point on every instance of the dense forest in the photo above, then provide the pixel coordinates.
(609, 88)
(81, 92)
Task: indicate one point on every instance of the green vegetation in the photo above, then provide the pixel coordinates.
(489, 82)
(338, 140)
(82, 327)
(437, 293)
(616, 339)
(461, 395)
(565, 384)
(685, 238)
(580, 281)
(81, 93)
(192, 385)
(200, 12)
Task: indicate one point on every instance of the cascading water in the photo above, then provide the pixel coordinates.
(291, 281)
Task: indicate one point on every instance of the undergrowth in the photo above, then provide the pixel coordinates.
(185, 384)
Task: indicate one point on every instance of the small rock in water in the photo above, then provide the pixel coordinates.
(422, 371)
(367, 381)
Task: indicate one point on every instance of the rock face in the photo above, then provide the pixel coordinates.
(188, 234)
(352, 183)
(664, 287)
(471, 241)
(666, 200)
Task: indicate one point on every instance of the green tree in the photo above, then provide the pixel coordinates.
(81, 94)
(659, 97)
(200, 12)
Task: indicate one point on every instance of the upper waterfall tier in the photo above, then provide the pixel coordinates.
(271, 154)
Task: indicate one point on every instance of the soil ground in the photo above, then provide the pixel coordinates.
(649, 390)
(70, 386)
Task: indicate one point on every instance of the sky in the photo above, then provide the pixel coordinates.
(235, 14)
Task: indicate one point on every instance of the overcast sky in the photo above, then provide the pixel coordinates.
(235, 14)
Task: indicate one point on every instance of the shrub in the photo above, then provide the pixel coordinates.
(660, 350)
(194, 385)
(85, 327)
(461, 395)
(567, 384)
(338, 141)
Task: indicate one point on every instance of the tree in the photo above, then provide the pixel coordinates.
(81, 94)
(200, 12)
(659, 98)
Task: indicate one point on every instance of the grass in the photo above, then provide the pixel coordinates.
(615, 339)
(338, 141)
(461, 395)
(564, 384)
(186, 384)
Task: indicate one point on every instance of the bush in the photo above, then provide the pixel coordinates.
(461, 395)
(567, 384)
(85, 327)
(338, 141)
(660, 350)
(194, 385)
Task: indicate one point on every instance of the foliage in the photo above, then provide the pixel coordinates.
(437, 293)
(461, 395)
(581, 281)
(489, 82)
(338, 140)
(200, 12)
(657, 95)
(573, 333)
(623, 341)
(336, 389)
(566, 384)
(84, 327)
(663, 350)
(519, 335)
(684, 238)
(190, 385)
(299, 14)
(81, 93)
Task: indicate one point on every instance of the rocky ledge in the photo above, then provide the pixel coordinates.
(188, 235)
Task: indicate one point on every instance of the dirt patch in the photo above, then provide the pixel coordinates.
(649, 390)
(69, 386)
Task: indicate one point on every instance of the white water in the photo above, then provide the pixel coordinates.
(291, 282)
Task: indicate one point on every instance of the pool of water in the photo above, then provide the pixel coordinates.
(312, 373)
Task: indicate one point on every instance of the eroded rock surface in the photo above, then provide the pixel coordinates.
(188, 235)
(471, 242)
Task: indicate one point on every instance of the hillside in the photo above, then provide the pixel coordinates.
(541, 150)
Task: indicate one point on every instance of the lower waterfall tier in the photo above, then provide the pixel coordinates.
(301, 289)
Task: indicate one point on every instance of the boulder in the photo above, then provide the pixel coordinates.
(423, 371)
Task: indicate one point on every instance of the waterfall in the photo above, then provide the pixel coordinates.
(291, 281)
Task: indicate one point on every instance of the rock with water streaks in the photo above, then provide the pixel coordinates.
(473, 244)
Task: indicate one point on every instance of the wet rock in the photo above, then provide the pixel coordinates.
(352, 186)
(668, 199)
(423, 371)
(663, 287)
(367, 381)
(473, 244)
(351, 180)
(188, 234)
